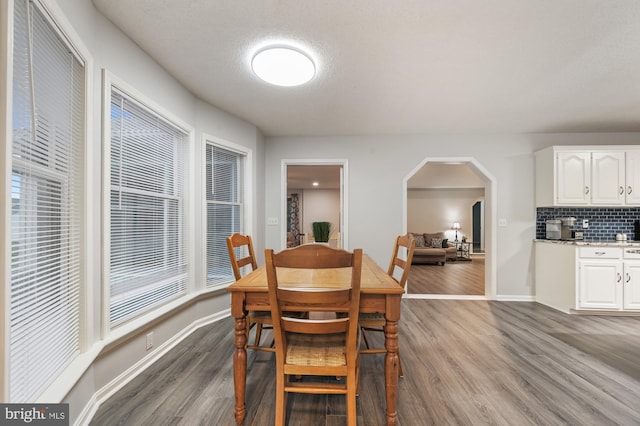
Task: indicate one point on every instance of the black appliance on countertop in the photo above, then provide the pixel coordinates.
(636, 230)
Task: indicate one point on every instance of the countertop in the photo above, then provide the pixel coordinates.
(594, 243)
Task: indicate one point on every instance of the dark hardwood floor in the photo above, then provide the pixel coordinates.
(454, 278)
(467, 362)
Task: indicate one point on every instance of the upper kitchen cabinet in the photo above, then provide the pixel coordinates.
(588, 176)
(607, 178)
(573, 177)
(632, 178)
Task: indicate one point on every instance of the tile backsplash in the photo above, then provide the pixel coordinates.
(604, 222)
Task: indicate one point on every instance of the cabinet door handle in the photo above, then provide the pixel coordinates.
(600, 253)
(628, 278)
(629, 190)
(586, 190)
(619, 277)
(621, 190)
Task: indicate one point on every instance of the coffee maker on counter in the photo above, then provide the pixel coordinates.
(566, 228)
(562, 229)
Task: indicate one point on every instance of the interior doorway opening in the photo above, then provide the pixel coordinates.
(314, 191)
(451, 175)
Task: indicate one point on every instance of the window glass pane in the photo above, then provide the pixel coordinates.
(224, 209)
(148, 264)
(47, 204)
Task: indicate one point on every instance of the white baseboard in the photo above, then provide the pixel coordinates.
(501, 298)
(515, 298)
(444, 296)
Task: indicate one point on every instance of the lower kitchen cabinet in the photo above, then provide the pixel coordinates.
(588, 278)
(631, 293)
(600, 285)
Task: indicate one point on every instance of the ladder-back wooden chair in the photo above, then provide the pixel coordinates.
(312, 347)
(375, 321)
(241, 254)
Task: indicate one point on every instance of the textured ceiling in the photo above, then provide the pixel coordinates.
(405, 66)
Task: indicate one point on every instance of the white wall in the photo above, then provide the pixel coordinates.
(379, 164)
(435, 210)
(318, 205)
(321, 205)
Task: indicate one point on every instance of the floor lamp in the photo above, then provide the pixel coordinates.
(456, 226)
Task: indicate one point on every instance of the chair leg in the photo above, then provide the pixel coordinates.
(351, 399)
(248, 329)
(281, 400)
(258, 334)
(358, 376)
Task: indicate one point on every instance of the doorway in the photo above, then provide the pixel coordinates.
(314, 191)
(453, 174)
(477, 215)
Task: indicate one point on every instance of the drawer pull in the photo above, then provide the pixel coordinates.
(600, 253)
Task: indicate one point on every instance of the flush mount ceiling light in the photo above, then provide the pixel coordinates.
(283, 66)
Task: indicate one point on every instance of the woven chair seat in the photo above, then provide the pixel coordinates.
(313, 350)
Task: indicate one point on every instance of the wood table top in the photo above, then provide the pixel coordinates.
(373, 280)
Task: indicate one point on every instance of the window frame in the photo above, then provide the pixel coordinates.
(59, 24)
(111, 82)
(247, 203)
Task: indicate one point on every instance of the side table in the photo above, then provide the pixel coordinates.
(463, 250)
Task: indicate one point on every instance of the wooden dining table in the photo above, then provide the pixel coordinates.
(379, 293)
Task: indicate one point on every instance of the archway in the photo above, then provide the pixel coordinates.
(490, 223)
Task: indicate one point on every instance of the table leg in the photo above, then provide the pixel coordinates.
(240, 368)
(391, 370)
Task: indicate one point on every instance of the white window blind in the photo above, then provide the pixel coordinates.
(148, 263)
(224, 209)
(46, 195)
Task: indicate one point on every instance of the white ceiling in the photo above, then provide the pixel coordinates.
(405, 66)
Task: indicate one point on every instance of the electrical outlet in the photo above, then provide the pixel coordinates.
(149, 340)
(502, 222)
(585, 223)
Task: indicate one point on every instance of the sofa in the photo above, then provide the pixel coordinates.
(432, 248)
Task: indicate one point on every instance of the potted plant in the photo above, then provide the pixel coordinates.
(321, 231)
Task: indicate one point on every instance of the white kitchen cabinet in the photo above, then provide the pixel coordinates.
(600, 285)
(631, 286)
(607, 178)
(632, 178)
(574, 278)
(588, 176)
(599, 278)
(573, 176)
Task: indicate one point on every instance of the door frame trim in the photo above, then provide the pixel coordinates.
(344, 194)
